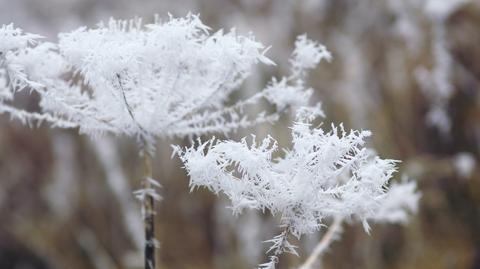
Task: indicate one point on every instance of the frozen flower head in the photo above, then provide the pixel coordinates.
(13, 39)
(13, 75)
(307, 55)
(284, 94)
(325, 174)
(12, 42)
(290, 91)
(157, 75)
(170, 78)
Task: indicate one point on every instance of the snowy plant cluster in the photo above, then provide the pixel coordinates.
(163, 79)
(325, 174)
(174, 78)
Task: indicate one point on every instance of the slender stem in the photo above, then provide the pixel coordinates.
(148, 199)
(327, 239)
(143, 132)
(148, 208)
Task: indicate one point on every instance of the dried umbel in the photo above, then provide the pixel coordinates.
(162, 79)
(324, 175)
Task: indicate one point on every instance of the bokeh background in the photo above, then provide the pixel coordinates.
(409, 70)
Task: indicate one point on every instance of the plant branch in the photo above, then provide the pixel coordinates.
(279, 246)
(323, 245)
(129, 109)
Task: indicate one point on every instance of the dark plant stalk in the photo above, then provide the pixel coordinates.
(148, 208)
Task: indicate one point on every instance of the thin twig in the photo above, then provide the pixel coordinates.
(129, 108)
(323, 245)
(197, 107)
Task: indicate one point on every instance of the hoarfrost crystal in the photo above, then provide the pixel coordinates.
(324, 175)
(163, 79)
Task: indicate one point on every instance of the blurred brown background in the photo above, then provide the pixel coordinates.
(409, 70)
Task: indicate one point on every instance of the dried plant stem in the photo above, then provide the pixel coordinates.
(148, 209)
(148, 206)
(323, 245)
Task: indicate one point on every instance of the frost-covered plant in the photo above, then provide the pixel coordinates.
(165, 79)
(436, 83)
(324, 175)
(290, 91)
(159, 80)
(13, 43)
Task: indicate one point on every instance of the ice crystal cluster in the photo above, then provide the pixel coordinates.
(163, 79)
(290, 91)
(325, 174)
(13, 44)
